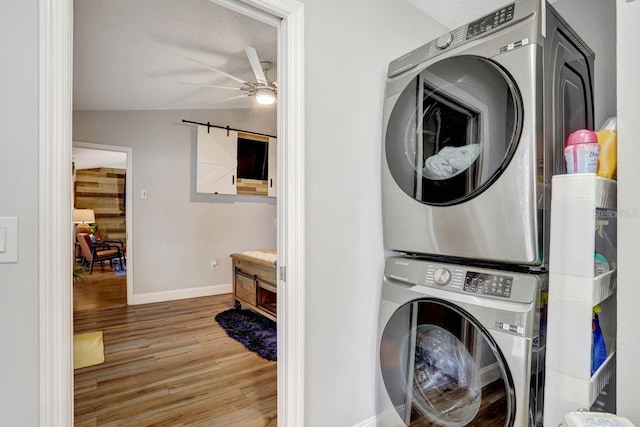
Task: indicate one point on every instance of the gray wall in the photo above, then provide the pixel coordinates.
(348, 47)
(19, 197)
(177, 232)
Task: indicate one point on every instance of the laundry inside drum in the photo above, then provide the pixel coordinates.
(446, 381)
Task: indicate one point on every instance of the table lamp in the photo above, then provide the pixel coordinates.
(83, 217)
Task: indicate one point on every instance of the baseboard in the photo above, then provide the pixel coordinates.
(371, 422)
(180, 294)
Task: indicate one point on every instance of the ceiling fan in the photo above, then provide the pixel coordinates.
(264, 90)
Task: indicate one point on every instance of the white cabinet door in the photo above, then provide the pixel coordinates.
(272, 183)
(217, 161)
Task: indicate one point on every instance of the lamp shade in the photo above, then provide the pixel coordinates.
(83, 216)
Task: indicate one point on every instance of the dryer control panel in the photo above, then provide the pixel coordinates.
(495, 21)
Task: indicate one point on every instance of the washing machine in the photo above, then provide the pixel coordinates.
(474, 128)
(460, 346)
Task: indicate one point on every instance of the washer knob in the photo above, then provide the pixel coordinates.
(442, 276)
(444, 41)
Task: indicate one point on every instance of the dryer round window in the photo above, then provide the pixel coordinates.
(453, 130)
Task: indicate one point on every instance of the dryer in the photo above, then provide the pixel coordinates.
(460, 346)
(474, 127)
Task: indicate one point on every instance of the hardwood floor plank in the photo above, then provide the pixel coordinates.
(171, 364)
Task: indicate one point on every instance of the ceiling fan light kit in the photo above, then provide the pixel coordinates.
(264, 90)
(265, 95)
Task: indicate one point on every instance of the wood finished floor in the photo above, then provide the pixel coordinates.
(169, 364)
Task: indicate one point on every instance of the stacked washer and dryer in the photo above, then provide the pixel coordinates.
(474, 129)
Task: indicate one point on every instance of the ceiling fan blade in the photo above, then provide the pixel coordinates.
(213, 86)
(255, 65)
(215, 70)
(228, 99)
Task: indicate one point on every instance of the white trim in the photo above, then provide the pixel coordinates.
(55, 230)
(180, 294)
(129, 203)
(55, 253)
(291, 201)
(291, 208)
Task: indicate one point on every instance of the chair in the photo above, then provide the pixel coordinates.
(119, 243)
(98, 252)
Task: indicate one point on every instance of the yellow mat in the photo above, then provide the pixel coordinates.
(88, 349)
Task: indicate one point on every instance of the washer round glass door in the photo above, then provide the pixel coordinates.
(453, 130)
(442, 368)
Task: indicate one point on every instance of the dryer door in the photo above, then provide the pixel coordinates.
(442, 368)
(453, 130)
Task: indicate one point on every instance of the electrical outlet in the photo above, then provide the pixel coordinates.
(214, 264)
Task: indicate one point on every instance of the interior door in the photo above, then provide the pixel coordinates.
(442, 368)
(217, 161)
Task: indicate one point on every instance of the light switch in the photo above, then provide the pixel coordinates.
(3, 239)
(8, 239)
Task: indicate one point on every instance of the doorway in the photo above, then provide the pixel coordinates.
(56, 375)
(102, 183)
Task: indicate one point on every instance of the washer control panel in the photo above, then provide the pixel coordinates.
(488, 284)
(441, 276)
(475, 281)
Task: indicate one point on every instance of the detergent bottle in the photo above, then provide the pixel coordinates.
(598, 348)
(608, 141)
(581, 152)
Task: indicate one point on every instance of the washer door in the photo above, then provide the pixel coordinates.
(441, 368)
(453, 130)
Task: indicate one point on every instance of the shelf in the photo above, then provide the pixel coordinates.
(565, 393)
(592, 291)
(602, 191)
(583, 227)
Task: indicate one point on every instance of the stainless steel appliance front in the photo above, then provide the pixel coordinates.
(460, 346)
(474, 126)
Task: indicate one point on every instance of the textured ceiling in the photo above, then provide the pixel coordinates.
(132, 54)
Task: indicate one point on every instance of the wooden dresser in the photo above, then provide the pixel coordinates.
(254, 284)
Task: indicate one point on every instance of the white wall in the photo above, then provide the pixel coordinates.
(19, 197)
(628, 345)
(177, 232)
(348, 46)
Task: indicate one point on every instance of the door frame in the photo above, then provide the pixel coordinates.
(55, 197)
(128, 151)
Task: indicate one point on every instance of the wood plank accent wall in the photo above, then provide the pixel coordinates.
(102, 189)
(254, 187)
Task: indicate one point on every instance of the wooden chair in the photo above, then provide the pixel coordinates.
(119, 243)
(98, 252)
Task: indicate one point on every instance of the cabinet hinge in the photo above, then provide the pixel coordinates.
(283, 274)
